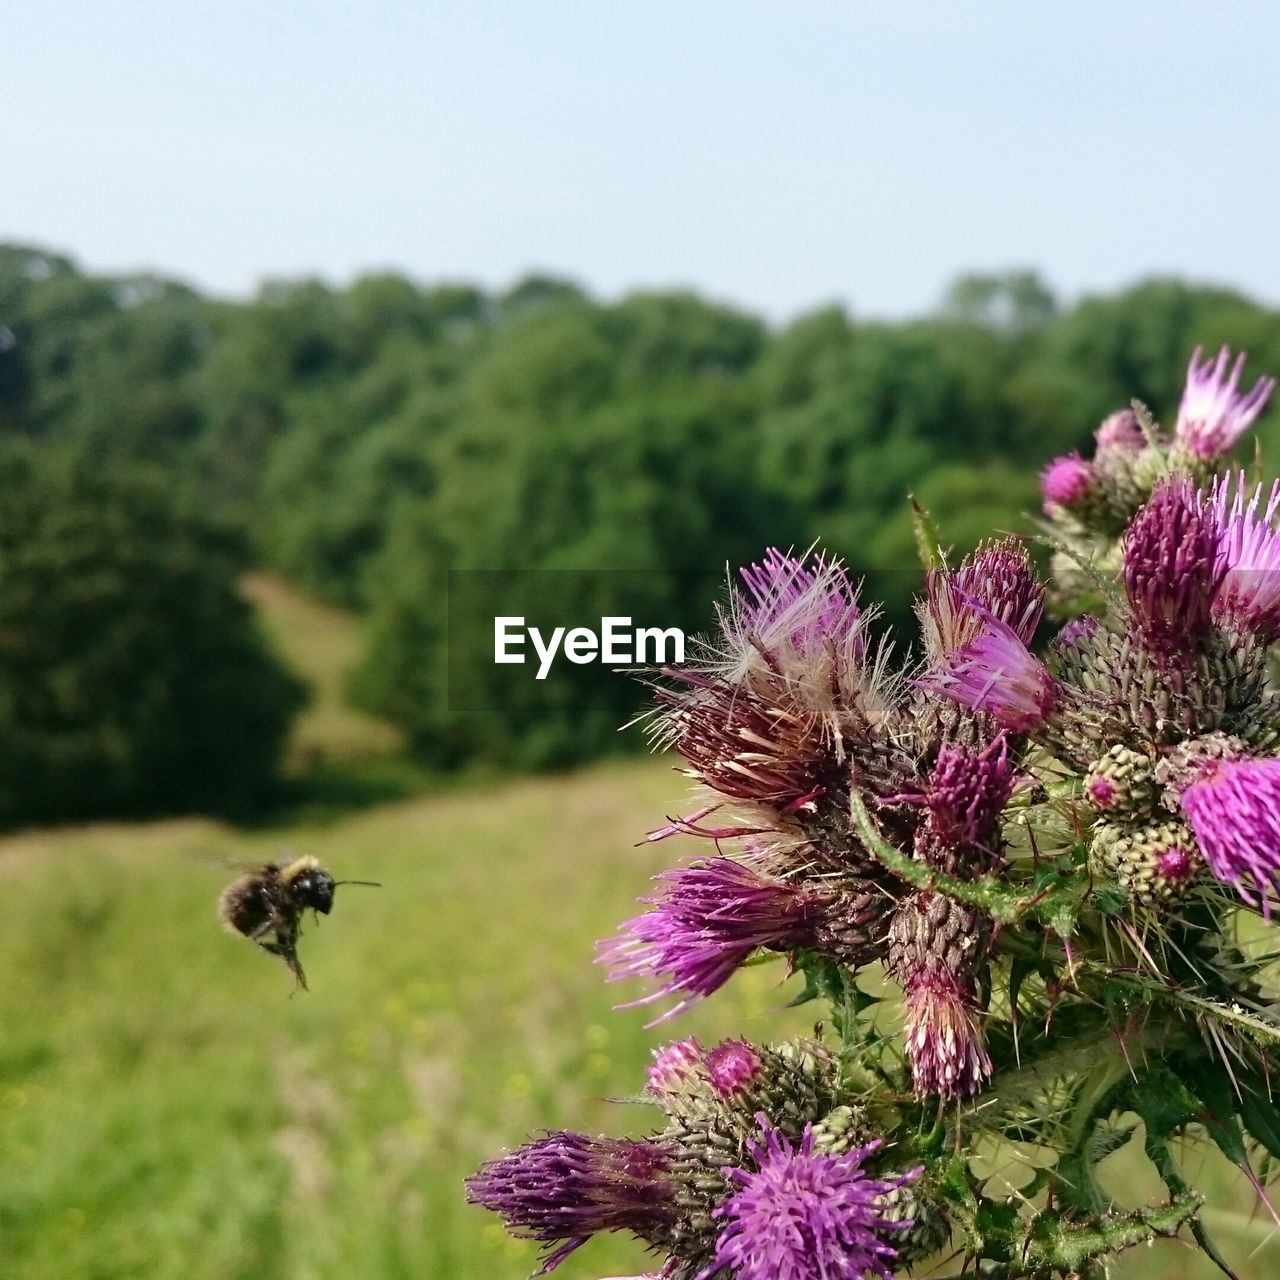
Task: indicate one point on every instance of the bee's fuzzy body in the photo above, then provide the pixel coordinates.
(266, 904)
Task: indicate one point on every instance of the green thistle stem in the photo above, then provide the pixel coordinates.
(1056, 905)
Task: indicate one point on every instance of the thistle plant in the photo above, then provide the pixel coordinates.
(1029, 885)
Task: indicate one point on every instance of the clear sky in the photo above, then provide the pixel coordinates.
(776, 153)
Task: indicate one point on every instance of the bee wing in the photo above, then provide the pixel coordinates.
(225, 862)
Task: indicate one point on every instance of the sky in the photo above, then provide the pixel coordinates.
(778, 154)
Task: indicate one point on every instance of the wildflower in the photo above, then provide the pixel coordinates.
(1120, 432)
(963, 797)
(999, 577)
(564, 1188)
(1170, 568)
(709, 917)
(981, 662)
(803, 1216)
(675, 1066)
(1066, 482)
(1248, 556)
(795, 638)
(1234, 810)
(793, 605)
(1213, 415)
(732, 1066)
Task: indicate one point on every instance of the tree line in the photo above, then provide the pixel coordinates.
(367, 441)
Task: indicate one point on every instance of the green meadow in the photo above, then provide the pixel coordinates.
(169, 1108)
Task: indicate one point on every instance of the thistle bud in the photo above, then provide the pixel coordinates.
(676, 1068)
(1122, 781)
(733, 1066)
(927, 1227)
(855, 926)
(1120, 432)
(1170, 568)
(1155, 863)
(1067, 482)
(840, 1131)
(963, 798)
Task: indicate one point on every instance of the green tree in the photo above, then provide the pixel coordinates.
(131, 676)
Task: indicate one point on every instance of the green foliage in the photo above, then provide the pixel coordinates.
(369, 440)
(131, 677)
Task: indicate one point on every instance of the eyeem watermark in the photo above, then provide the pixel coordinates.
(617, 644)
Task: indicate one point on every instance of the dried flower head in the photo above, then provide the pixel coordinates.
(791, 605)
(944, 1039)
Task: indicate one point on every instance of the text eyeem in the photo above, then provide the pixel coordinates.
(617, 643)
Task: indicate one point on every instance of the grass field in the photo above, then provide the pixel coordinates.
(170, 1111)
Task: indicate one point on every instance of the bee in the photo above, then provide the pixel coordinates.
(266, 905)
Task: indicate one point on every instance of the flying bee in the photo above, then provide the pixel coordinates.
(266, 905)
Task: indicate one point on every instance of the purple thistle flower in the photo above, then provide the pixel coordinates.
(1170, 567)
(789, 602)
(733, 1066)
(968, 790)
(1066, 481)
(708, 918)
(563, 1188)
(1213, 415)
(675, 1066)
(1000, 578)
(801, 1216)
(1120, 432)
(944, 1038)
(1077, 632)
(1248, 556)
(1234, 810)
(981, 662)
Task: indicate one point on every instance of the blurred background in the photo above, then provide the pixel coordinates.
(305, 308)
